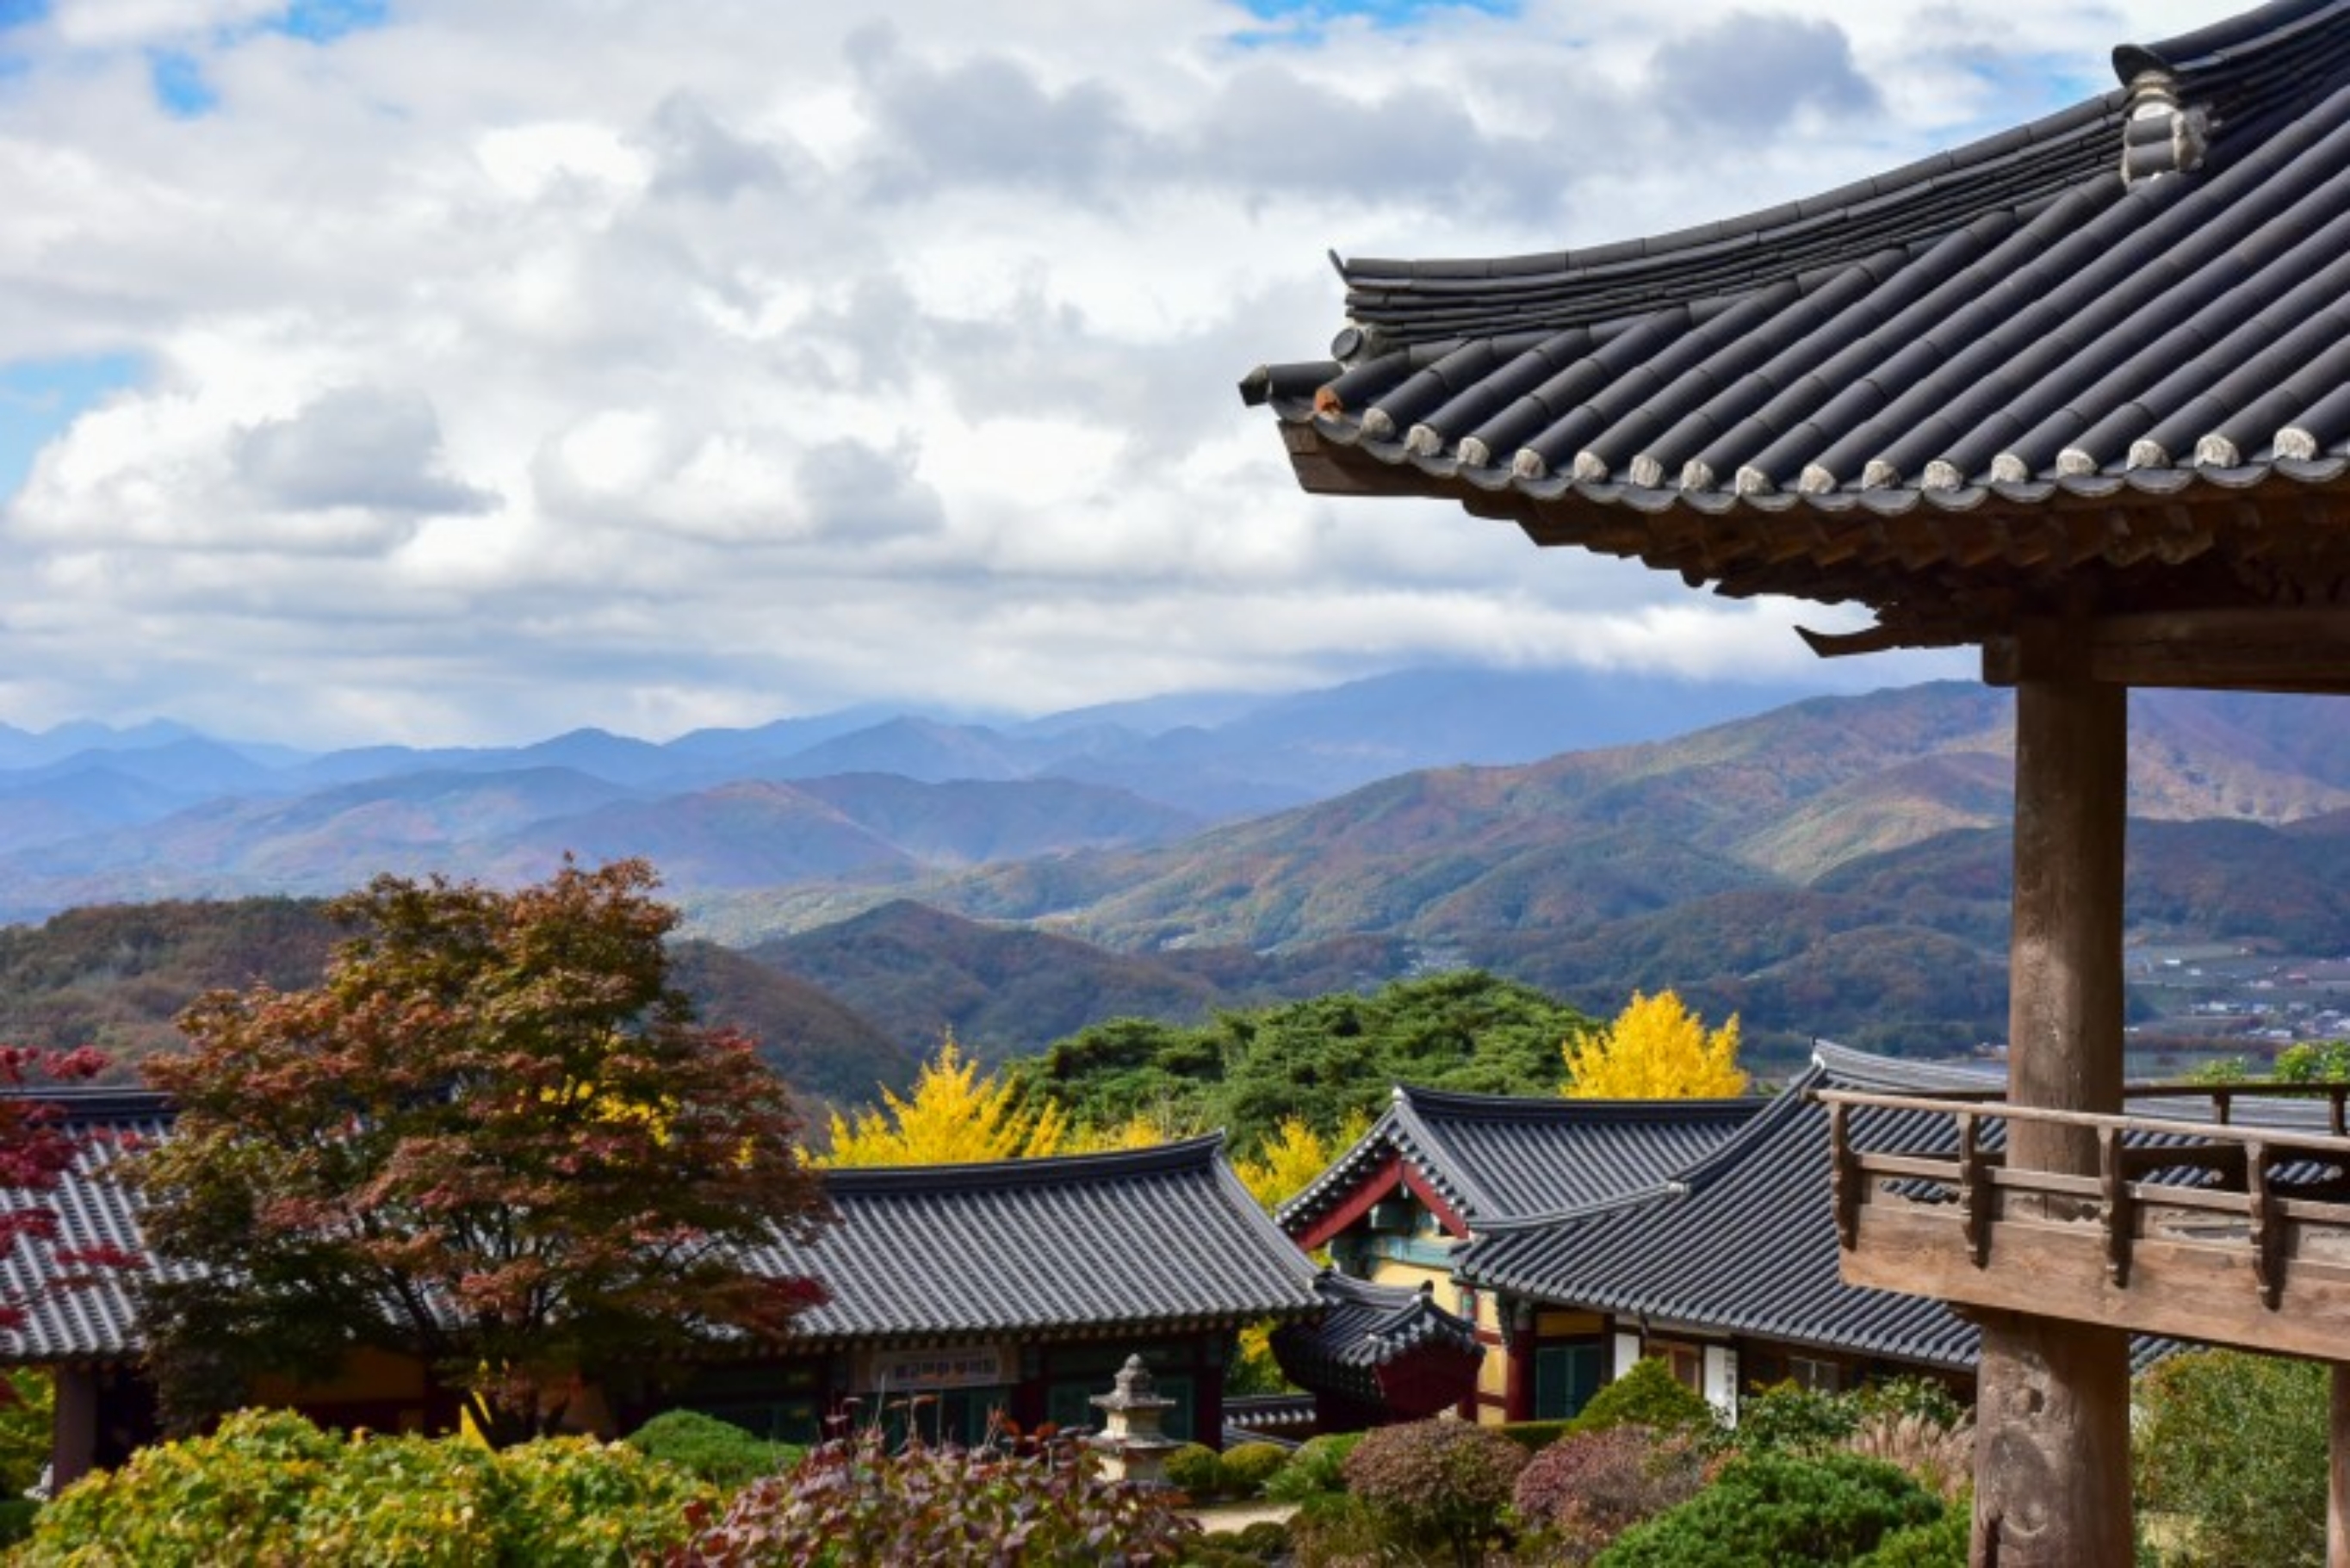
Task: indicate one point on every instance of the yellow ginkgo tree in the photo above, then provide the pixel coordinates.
(1656, 1049)
(954, 1116)
(1293, 1156)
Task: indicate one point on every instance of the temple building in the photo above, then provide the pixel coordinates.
(2077, 395)
(1396, 1208)
(1021, 1287)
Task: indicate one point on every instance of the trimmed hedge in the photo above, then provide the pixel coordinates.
(1770, 1509)
(269, 1487)
(719, 1452)
(1317, 1470)
(1536, 1436)
(1246, 1468)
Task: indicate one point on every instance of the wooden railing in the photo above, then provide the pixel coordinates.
(2219, 1229)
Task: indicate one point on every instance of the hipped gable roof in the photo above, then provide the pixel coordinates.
(1743, 1242)
(1364, 1327)
(1160, 1240)
(2072, 351)
(1488, 1156)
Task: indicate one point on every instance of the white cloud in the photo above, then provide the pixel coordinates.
(507, 368)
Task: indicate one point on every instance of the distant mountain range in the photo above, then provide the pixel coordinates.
(89, 815)
(1834, 867)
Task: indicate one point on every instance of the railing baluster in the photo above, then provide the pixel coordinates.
(2114, 1212)
(1974, 1190)
(2267, 1234)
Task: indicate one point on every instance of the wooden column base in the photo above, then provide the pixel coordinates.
(2052, 1446)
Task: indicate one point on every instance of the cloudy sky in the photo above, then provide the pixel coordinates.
(472, 369)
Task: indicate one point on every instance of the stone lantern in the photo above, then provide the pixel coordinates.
(1132, 1446)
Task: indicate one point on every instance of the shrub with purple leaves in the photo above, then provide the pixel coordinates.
(1585, 1489)
(1438, 1484)
(853, 1503)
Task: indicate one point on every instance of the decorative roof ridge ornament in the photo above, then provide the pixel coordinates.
(1357, 344)
(2160, 135)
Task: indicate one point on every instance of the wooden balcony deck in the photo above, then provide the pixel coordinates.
(2219, 1229)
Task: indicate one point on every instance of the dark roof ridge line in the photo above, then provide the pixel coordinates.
(1050, 1170)
(1629, 259)
(1565, 1108)
(2202, 46)
(1788, 1102)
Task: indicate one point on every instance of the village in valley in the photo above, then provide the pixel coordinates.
(642, 1162)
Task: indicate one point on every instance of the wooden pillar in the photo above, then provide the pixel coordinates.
(73, 1427)
(2337, 1473)
(2052, 1468)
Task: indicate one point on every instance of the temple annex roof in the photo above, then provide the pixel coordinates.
(1382, 1346)
(1486, 1157)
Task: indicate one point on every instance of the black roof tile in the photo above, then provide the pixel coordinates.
(1161, 1238)
(1743, 1242)
(2013, 324)
(1495, 1156)
(1364, 1327)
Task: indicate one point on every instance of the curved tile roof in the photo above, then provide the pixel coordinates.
(2074, 347)
(1155, 1239)
(99, 1320)
(1366, 1326)
(1494, 1155)
(1744, 1240)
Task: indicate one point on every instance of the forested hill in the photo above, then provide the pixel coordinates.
(115, 976)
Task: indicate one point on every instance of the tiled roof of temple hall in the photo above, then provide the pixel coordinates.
(1744, 1241)
(1490, 1156)
(1161, 1238)
(1933, 391)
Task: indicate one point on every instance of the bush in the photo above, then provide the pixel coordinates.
(1648, 1395)
(269, 1487)
(1768, 1509)
(1534, 1436)
(854, 1504)
(1941, 1544)
(1316, 1469)
(719, 1452)
(1438, 1483)
(2235, 1446)
(1584, 1491)
(1788, 1418)
(16, 1517)
(1246, 1468)
(27, 1409)
(1927, 1399)
(1194, 1469)
(1339, 1531)
(585, 1504)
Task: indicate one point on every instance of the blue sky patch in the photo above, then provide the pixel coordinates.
(1383, 12)
(40, 398)
(324, 21)
(22, 13)
(180, 85)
